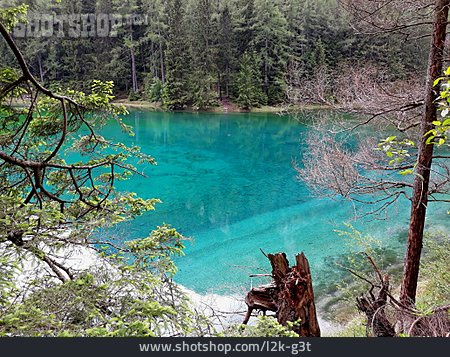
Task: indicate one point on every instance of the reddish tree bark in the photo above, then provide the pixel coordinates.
(425, 157)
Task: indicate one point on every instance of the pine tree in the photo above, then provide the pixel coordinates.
(271, 36)
(131, 37)
(202, 32)
(244, 15)
(226, 52)
(248, 83)
(292, 11)
(175, 93)
(154, 44)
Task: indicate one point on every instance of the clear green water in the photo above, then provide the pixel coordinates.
(227, 181)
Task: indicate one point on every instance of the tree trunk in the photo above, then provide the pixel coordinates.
(219, 84)
(161, 58)
(424, 160)
(266, 67)
(154, 69)
(41, 71)
(133, 71)
(227, 89)
(290, 295)
(133, 64)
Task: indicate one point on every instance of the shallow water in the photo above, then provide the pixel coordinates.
(227, 181)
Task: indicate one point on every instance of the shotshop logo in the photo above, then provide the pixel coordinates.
(77, 25)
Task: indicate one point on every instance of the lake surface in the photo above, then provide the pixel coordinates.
(227, 181)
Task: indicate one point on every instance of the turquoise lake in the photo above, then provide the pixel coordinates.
(227, 181)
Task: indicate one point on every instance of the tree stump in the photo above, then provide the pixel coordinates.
(290, 295)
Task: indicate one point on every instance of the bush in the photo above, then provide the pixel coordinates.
(265, 327)
(202, 96)
(434, 271)
(134, 95)
(355, 328)
(153, 89)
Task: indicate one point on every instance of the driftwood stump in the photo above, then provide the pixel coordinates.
(290, 295)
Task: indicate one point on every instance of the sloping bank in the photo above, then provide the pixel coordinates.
(222, 311)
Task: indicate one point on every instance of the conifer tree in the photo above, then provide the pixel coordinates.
(248, 83)
(244, 15)
(271, 36)
(175, 93)
(226, 52)
(202, 32)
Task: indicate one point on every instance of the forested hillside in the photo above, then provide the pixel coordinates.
(198, 52)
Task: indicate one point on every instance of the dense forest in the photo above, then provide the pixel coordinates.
(198, 52)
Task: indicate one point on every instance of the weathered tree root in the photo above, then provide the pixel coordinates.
(402, 319)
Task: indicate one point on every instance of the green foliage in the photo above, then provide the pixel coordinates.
(41, 126)
(434, 271)
(195, 47)
(51, 209)
(202, 96)
(270, 41)
(354, 328)
(248, 83)
(9, 268)
(126, 295)
(359, 247)
(133, 96)
(11, 16)
(155, 251)
(434, 282)
(397, 151)
(153, 89)
(175, 93)
(440, 132)
(226, 50)
(7, 77)
(362, 243)
(265, 327)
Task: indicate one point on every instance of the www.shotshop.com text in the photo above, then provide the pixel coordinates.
(225, 348)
